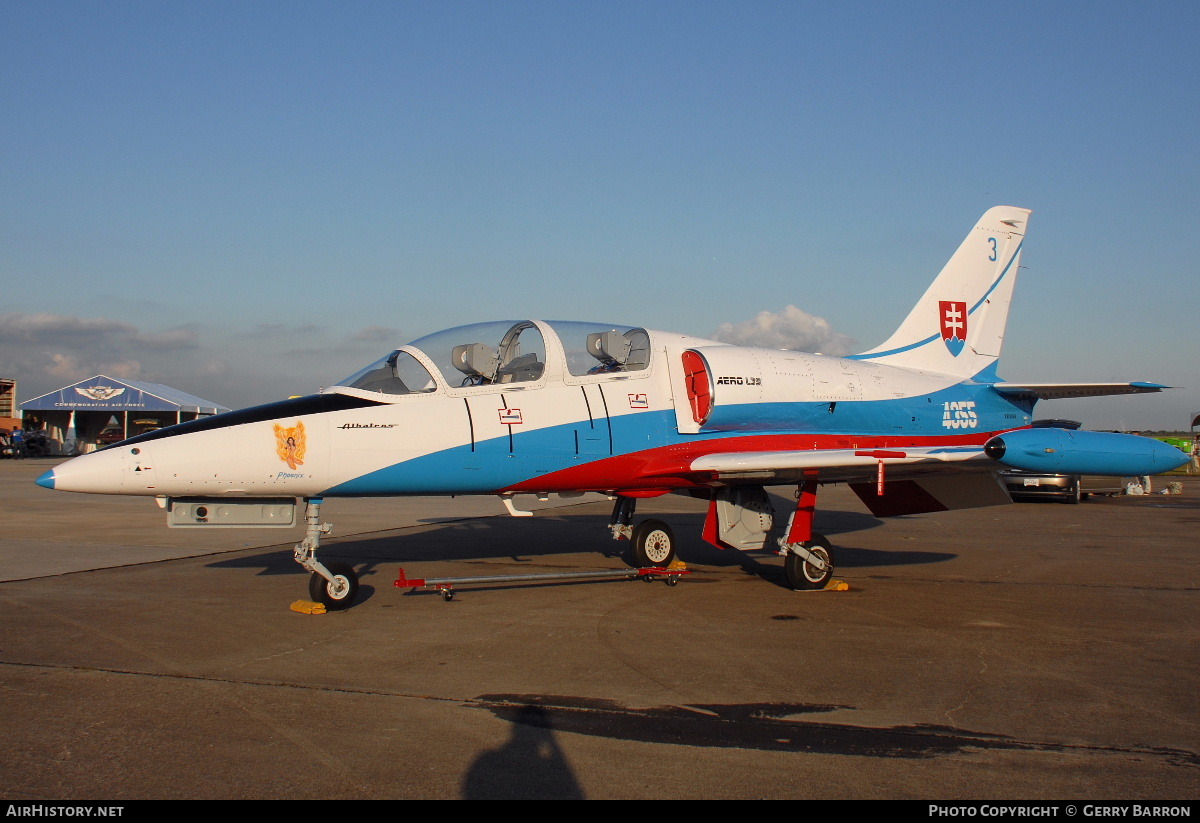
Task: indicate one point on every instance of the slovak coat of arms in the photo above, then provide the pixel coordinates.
(954, 324)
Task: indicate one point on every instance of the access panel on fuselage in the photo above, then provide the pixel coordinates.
(593, 434)
(492, 421)
(554, 420)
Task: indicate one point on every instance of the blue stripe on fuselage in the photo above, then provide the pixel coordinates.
(463, 470)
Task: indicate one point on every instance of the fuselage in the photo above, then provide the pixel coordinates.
(532, 406)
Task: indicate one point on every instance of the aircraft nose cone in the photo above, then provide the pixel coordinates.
(99, 473)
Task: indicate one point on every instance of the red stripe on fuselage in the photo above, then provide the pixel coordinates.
(670, 466)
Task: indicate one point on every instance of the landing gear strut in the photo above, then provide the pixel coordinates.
(808, 556)
(622, 515)
(335, 585)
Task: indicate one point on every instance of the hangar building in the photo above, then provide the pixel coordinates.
(102, 410)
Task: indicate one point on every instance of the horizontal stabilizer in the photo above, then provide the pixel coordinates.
(1058, 391)
(937, 493)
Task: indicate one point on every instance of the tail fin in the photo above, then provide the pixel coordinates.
(957, 327)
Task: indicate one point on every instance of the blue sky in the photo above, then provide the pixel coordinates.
(251, 199)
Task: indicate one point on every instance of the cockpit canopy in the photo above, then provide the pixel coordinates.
(504, 352)
(596, 348)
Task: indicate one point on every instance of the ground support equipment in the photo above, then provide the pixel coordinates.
(445, 585)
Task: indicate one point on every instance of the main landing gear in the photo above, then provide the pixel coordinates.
(808, 561)
(651, 543)
(335, 585)
(808, 565)
(808, 557)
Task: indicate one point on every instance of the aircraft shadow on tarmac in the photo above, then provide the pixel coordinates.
(374, 554)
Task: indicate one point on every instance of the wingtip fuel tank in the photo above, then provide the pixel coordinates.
(1061, 451)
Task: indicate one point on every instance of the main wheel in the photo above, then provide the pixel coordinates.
(802, 574)
(652, 544)
(338, 594)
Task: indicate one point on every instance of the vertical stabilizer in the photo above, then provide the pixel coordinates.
(957, 327)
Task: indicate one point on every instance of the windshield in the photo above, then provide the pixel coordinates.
(398, 373)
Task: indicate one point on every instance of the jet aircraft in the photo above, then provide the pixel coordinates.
(918, 424)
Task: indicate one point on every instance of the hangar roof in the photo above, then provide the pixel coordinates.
(103, 393)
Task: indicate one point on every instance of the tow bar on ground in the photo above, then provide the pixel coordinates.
(445, 585)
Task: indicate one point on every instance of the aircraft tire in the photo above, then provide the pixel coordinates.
(320, 589)
(652, 545)
(803, 575)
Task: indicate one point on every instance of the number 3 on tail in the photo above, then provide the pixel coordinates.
(992, 240)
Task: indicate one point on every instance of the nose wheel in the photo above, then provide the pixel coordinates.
(338, 593)
(335, 585)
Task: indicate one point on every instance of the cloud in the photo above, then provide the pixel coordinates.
(46, 351)
(214, 367)
(266, 362)
(183, 337)
(70, 368)
(98, 334)
(282, 331)
(54, 329)
(375, 334)
(790, 329)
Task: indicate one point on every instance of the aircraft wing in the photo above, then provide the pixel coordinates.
(835, 464)
(889, 481)
(1058, 391)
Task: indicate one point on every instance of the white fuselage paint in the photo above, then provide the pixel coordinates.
(556, 422)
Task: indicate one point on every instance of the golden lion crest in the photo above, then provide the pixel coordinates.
(290, 445)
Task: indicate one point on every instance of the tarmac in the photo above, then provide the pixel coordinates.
(1023, 652)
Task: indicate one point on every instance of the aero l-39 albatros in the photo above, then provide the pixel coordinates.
(920, 423)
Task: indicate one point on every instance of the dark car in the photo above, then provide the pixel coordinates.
(110, 435)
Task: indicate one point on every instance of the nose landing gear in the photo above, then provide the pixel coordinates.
(335, 585)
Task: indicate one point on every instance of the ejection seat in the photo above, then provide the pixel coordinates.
(520, 369)
(477, 361)
(619, 352)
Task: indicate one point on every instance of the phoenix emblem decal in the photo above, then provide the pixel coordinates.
(290, 444)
